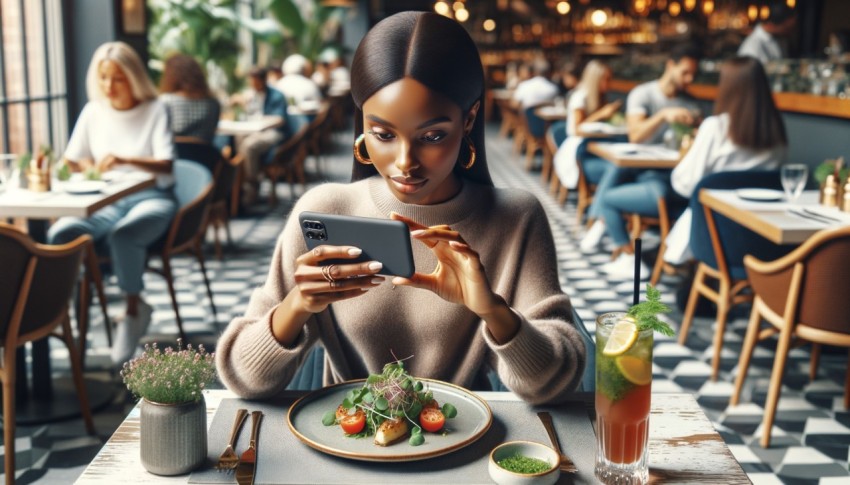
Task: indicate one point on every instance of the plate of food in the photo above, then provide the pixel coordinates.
(760, 195)
(83, 186)
(390, 417)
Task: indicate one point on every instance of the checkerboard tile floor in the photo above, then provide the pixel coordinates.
(811, 436)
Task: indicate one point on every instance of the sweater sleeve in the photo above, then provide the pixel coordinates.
(545, 360)
(250, 361)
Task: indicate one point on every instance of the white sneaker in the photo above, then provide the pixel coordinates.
(129, 332)
(624, 267)
(590, 242)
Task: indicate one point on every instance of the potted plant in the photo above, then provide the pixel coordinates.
(173, 418)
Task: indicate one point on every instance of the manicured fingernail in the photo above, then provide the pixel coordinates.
(377, 281)
(355, 251)
(375, 266)
(417, 232)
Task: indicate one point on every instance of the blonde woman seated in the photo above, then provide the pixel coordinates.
(586, 105)
(745, 133)
(123, 127)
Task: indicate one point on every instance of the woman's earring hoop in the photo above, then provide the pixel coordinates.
(357, 155)
(471, 147)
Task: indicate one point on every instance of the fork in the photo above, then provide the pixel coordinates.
(566, 465)
(229, 459)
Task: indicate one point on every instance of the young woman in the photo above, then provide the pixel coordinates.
(486, 293)
(192, 109)
(745, 133)
(586, 105)
(123, 127)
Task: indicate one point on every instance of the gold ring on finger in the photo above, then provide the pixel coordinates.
(326, 273)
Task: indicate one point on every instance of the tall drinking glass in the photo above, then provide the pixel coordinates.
(623, 389)
(794, 180)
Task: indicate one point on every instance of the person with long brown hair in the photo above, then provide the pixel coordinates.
(192, 109)
(746, 132)
(485, 295)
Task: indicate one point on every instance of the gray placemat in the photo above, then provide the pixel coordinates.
(283, 459)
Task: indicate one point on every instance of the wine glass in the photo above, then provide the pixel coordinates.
(794, 179)
(6, 160)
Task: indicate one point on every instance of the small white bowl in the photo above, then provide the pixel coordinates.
(531, 450)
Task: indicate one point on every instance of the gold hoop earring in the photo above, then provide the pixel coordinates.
(471, 147)
(357, 155)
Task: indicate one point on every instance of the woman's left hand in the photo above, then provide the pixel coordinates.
(108, 163)
(459, 276)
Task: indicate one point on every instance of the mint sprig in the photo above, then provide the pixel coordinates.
(646, 313)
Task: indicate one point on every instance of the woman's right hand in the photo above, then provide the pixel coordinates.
(317, 285)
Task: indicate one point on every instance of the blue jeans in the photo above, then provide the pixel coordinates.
(639, 197)
(611, 177)
(129, 226)
(594, 168)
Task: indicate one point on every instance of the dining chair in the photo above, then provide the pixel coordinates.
(37, 285)
(508, 113)
(288, 160)
(535, 133)
(719, 246)
(316, 132)
(224, 175)
(670, 208)
(556, 134)
(803, 298)
(193, 190)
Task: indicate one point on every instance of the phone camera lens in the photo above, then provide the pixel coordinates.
(311, 235)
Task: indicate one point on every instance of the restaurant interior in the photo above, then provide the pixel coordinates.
(761, 333)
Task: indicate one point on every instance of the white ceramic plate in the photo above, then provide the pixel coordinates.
(760, 195)
(84, 186)
(472, 421)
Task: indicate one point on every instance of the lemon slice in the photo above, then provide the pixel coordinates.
(623, 336)
(635, 370)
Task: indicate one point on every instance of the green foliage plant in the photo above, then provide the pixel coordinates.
(306, 31)
(170, 376)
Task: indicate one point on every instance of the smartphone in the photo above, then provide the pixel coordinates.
(383, 240)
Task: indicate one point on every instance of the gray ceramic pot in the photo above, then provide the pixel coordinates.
(173, 437)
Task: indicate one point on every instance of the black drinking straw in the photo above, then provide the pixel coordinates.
(637, 272)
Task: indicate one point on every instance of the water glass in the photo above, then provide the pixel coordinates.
(623, 391)
(794, 178)
(6, 161)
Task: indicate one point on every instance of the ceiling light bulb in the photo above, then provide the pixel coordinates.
(441, 8)
(462, 15)
(598, 18)
(563, 8)
(489, 25)
(675, 9)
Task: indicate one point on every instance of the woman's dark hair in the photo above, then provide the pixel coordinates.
(183, 73)
(437, 52)
(744, 93)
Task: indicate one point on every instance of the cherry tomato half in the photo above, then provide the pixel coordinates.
(353, 423)
(432, 419)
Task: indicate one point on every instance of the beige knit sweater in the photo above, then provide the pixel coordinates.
(542, 363)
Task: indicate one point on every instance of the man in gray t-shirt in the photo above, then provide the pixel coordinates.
(652, 106)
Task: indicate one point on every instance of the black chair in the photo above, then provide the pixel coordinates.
(224, 176)
(719, 246)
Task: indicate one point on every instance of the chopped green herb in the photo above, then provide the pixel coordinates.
(524, 464)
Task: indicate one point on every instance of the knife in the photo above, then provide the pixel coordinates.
(822, 216)
(248, 460)
(811, 217)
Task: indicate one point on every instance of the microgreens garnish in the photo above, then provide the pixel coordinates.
(646, 313)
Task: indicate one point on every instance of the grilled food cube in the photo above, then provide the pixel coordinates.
(391, 431)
